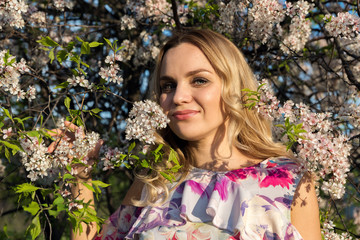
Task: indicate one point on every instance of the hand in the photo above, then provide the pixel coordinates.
(68, 134)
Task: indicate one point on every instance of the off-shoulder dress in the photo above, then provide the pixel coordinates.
(248, 203)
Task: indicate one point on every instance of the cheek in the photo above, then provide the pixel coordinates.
(163, 101)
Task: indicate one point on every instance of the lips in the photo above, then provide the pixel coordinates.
(184, 114)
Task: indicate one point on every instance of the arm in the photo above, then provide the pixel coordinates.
(78, 190)
(134, 192)
(305, 210)
(81, 192)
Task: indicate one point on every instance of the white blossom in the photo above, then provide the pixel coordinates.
(144, 118)
(344, 25)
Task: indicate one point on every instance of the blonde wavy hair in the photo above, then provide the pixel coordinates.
(248, 130)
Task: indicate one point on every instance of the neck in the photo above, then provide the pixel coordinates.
(219, 155)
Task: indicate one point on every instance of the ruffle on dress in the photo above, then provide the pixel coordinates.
(249, 203)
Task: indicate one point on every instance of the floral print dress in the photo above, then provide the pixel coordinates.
(248, 203)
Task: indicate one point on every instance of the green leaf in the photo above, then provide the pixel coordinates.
(26, 188)
(79, 39)
(108, 42)
(166, 176)
(52, 55)
(68, 176)
(85, 48)
(48, 42)
(7, 113)
(35, 227)
(100, 183)
(144, 164)
(33, 208)
(20, 121)
(10, 145)
(62, 55)
(119, 48)
(85, 64)
(95, 44)
(131, 147)
(7, 154)
(158, 148)
(67, 102)
(33, 134)
(70, 46)
(45, 192)
(79, 122)
(88, 186)
(173, 158)
(62, 85)
(96, 110)
(59, 200)
(2, 121)
(6, 231)
(75, 58)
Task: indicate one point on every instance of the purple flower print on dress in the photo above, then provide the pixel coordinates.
(276, 177)
(271, 236)
(285, 201)
(244, 206)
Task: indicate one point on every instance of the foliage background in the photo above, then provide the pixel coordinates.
(323, 73)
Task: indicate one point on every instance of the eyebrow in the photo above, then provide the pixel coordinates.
(188, 74)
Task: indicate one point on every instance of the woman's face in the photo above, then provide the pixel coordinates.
(191, 93)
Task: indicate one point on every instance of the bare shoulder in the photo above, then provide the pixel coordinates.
(134, 192)
(305, 209)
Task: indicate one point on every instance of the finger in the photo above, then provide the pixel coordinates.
(51, 147)
(95, 152)
(58, 133)
(70, 126)
(55, 132)
(74, 128)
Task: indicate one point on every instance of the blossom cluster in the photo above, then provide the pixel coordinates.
(227, 15)
(40, 163)
(111, 157)
(344, 25)
(6, 132)
(324, 150)
(36, 17)
(350, 111)
(300, 30)
(111, 72)
(158, 11)
(128, 22)
(10, 72)
(144, 118)
(11, 13)
(148, 50)
(263, 16)
(79, 80)
(329, 233)
(62, 4)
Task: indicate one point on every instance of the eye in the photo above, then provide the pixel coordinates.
(199, 81)
(167, 87)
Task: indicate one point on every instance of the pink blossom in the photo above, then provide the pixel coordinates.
(7, 132)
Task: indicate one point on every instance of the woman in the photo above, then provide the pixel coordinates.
(236, 183)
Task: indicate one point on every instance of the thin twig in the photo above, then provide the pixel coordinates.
(176, 15)
(337, 211)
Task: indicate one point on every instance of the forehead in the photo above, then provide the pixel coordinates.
(184, 57)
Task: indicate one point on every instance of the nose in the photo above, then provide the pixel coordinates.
(182, 94)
